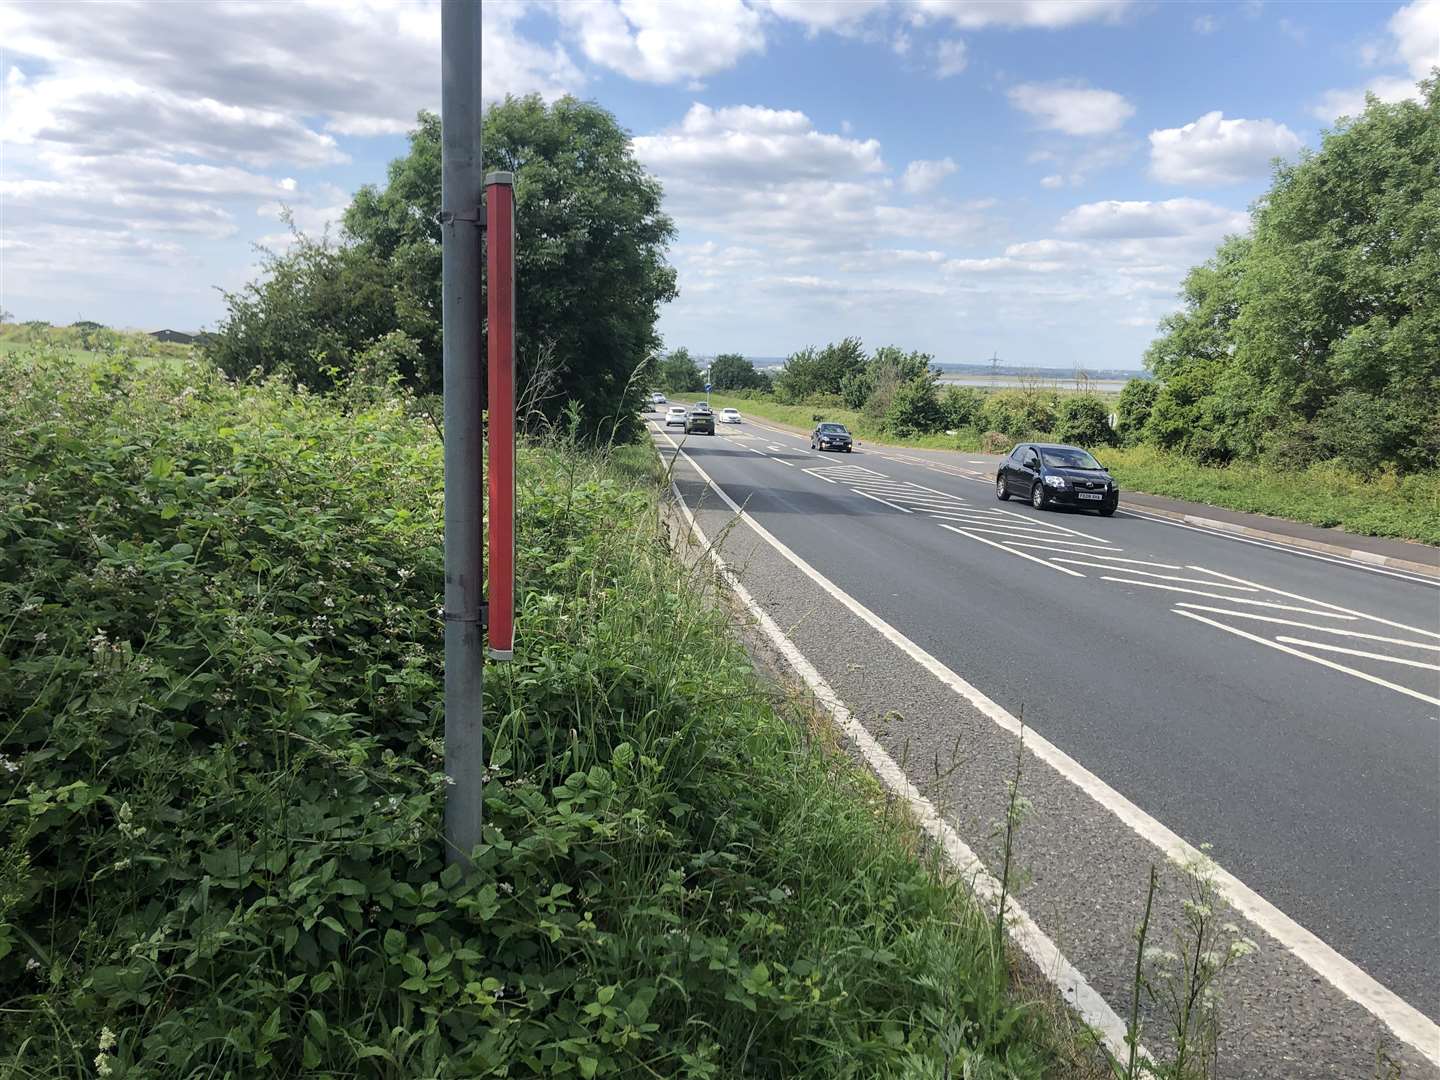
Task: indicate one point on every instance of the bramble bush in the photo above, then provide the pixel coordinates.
(220, 777)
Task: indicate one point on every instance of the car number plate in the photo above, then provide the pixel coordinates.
(1089, 495)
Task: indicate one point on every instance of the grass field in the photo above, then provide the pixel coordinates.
(40, 341)
(1406, 508)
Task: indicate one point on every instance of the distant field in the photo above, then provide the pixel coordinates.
(86, 343)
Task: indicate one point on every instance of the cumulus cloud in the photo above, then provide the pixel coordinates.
(1213, 150)
(1045, 14)
(665, 41)
(837, 15)
(1414, 44)
(1072, 108)
(922, 176)
(755, 143)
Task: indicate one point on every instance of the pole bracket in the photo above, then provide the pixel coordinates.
(445, 217)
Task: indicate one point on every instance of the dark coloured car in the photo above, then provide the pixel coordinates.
(1047, 474)
(830, 436)
(700, 419)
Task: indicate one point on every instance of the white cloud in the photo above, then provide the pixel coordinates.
(1045, 14)
(1416, 30)
(950, 57)
(665, 41)
(924, 176)
(836, 15)
(1213, 150)
(1143, 220)
(755, 142)
(1414, 44)
(1206, 24)
(1072, 108)
(1054, 180)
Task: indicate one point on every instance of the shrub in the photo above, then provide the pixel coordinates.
(961, 405)
(1018, 413)
(1137, 399)
(1084, 420)
(914, 410)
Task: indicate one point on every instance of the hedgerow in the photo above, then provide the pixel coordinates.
(222, 789)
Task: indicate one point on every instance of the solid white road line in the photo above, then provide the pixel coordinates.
(1320, 603)
(877, 498)
(1223, 596)
(1002, 547)
(1042, 950)
(1309, 626)
(816, 474)
(1407, 1022)
(1316, 660)
(1357, 652)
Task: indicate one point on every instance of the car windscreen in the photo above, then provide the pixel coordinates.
(834, 429)
(1069, 458)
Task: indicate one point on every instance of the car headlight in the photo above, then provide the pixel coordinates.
(1055, 481)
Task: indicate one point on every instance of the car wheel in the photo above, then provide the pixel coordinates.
(1000, 492)
(848, 449)
(1107, 509)
(1037, 496)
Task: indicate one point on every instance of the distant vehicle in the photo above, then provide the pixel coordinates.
(700, 418)
(675, 415)
(830, 436)
(1052, 475)
(729, 416)
(657, 399)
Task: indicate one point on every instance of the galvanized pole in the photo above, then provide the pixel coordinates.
(461, 183)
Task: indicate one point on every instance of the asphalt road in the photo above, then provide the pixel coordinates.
(1282, 707)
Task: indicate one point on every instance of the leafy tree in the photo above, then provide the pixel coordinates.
(589, 263)
(1328, 313)
(1018, 413)
(679, 372)
(731, 371)
(814, 371)
(1137, 399)
(1084, 420)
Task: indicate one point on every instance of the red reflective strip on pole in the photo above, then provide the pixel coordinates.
(500, 313)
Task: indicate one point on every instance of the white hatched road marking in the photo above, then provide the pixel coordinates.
(1002, 547)
(1313, 659)
(1358, 652)
(1321, 603)
(1309, 626)
(887, 502)
(1223, 596)
(1162, 577)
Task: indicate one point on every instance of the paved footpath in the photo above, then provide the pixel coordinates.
(1178, 685)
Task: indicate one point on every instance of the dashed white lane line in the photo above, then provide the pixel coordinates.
(1435, 1048)
(1223, 596)
(1002, 547)
(1407, 1022)
(782, 461)
(1358, 652)
(1309, 626)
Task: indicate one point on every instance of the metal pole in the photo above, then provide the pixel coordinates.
(461, 178)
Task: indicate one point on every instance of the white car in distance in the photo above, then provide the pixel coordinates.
(675, 415)
(729, 416)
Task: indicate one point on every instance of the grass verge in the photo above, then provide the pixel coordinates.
(1406, 508)
(221, 789)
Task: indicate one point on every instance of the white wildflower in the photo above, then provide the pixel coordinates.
(32, 964)
(107, 1039)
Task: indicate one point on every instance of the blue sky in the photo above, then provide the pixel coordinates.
(959, 176)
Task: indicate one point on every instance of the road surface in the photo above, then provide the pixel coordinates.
(1283, 707)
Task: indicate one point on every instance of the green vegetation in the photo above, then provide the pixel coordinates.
(84, 341)
(1317, 339)
(1384, 504)
(220, 788)
(590, 274)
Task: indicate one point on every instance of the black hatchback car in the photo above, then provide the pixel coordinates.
(830, 436)
(1051, 475)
